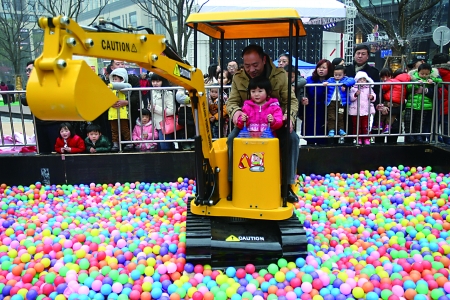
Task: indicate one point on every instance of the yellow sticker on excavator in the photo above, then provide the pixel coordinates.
(176, 70)
(232, 238)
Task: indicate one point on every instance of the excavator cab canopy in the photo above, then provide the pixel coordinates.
(247, 24)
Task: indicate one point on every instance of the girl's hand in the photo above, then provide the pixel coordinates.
(305, 101)
(325, 83)
(93, 150)
(343, 88)
(357, 93)
(212, 119)
(430, 81)
(371, 97)
(270, 118)
(68, 149)
(244, 117)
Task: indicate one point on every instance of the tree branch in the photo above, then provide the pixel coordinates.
(376, 20)
(424, 6)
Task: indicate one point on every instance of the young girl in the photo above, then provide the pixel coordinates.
(261, 111)
(120, 109)
(68, 142)
(213, 102)
(144, 131)
(226, 78)
(161, 106)
(185, 119)
(361, 97)
(419, 106)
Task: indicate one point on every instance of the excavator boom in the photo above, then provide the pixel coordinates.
(61, 88)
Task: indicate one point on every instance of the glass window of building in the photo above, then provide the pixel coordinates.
(32, 4)
(133, 19)
(116, 20)
(159, 28)
(6, 5)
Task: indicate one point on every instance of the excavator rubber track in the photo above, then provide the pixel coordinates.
(222, 242)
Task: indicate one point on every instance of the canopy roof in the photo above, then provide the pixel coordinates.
(273, 23)
(306, 9)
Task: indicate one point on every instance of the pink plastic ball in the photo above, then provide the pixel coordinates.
(96, 285)
(83, 290)
(290, 295)
(117, 287)
(398, 290)
(171, 268)
(345, 289)
(306, 287)
(251, 288)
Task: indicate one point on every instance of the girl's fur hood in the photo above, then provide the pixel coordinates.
(121, 72)
(362, 74)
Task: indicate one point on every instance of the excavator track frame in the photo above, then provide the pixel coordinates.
(225, 241)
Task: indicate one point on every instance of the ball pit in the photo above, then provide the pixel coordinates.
(381, 234)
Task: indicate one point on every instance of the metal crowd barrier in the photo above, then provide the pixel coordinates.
(16, 118)
(439, 129)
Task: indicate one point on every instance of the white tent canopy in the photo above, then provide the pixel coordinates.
(306, 9)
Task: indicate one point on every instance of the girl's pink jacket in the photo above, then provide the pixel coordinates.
(257, 115)
(148, 129)
(365, 105)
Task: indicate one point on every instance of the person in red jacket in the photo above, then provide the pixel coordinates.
(68, 142)
(441, 62)
(144, 83)
(394, 96)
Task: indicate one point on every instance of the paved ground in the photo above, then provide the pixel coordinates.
(11, 120)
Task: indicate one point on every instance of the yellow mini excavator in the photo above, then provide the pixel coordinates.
(257, 225)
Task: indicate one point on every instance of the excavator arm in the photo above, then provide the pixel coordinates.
(61, 88)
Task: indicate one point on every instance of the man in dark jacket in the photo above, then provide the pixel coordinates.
(10, 88)
(257, 63)
(360, 63)
(46, 131)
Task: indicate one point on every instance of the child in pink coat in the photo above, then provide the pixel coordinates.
(261, 111)
(144, 131)
(361, 105)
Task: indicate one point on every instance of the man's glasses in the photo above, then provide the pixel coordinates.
(28, 70)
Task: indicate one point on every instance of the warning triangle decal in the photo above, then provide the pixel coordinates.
(232, 238)
(176, 71)
(133, 48)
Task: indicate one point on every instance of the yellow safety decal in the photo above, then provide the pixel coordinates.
(232, 238)
(176, 70)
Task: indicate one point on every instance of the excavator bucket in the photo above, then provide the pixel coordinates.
(74, 93)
